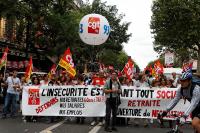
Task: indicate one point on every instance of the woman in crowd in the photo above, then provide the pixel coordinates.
(63, 80)
(80, 82)
(162, 83)
(142, 81)
(169, 84)
(127, 82)
(34, 82)
(156, 83)
(23, 83)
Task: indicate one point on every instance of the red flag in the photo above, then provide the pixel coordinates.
(111, 67)
(98, 81)
(67, 62)
(52, 71)
(150, 69)
(101, 67)
(187, 67)
(128, 69)
(29, 70)
(26, 63)
(159, 69)
(120, 74)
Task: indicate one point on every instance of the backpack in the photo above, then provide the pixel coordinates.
(195, 81)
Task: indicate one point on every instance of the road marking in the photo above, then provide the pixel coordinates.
(48, 130)
(95, 129)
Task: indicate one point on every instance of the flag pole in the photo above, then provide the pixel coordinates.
(56, 66)
(56, 69)
(122, 70)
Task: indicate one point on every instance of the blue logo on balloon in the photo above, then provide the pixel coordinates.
(81, 28)
(106, 29)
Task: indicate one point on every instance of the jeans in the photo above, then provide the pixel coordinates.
(10, 99)
(17, 97)
(111, 106)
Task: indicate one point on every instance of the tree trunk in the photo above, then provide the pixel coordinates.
(198, 62)
(10, 24)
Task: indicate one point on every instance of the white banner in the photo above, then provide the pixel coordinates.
(169, 59)
(89, 101)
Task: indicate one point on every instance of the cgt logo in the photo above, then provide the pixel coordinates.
(93, 25)
(34, 97)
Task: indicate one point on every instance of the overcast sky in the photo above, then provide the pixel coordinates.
(138, 12)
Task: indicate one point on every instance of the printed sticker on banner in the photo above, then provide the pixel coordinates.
(34, 97)
(93, 25)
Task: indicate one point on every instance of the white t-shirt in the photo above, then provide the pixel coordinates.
(43, 83)
(12, 81)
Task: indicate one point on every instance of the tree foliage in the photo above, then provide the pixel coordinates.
(176, 26)
(53, 25)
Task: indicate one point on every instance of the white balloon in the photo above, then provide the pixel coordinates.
(94, 29)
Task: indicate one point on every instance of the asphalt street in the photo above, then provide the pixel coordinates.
(17, 125)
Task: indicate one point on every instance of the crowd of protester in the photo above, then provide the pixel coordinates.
(13, 95)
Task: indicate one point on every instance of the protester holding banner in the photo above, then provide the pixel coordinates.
(98, 80)
(175, 79)
(142, 81)
(126, 82)
(149, 78)
(80, 120)
(156, 83)
(162, 83)
(55, 81)
(45, 80)
(34, 82)
(169, 84)
(63, 81)
(112, 89)
(23, 83)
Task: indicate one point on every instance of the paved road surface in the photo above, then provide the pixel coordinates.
(16, 125)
